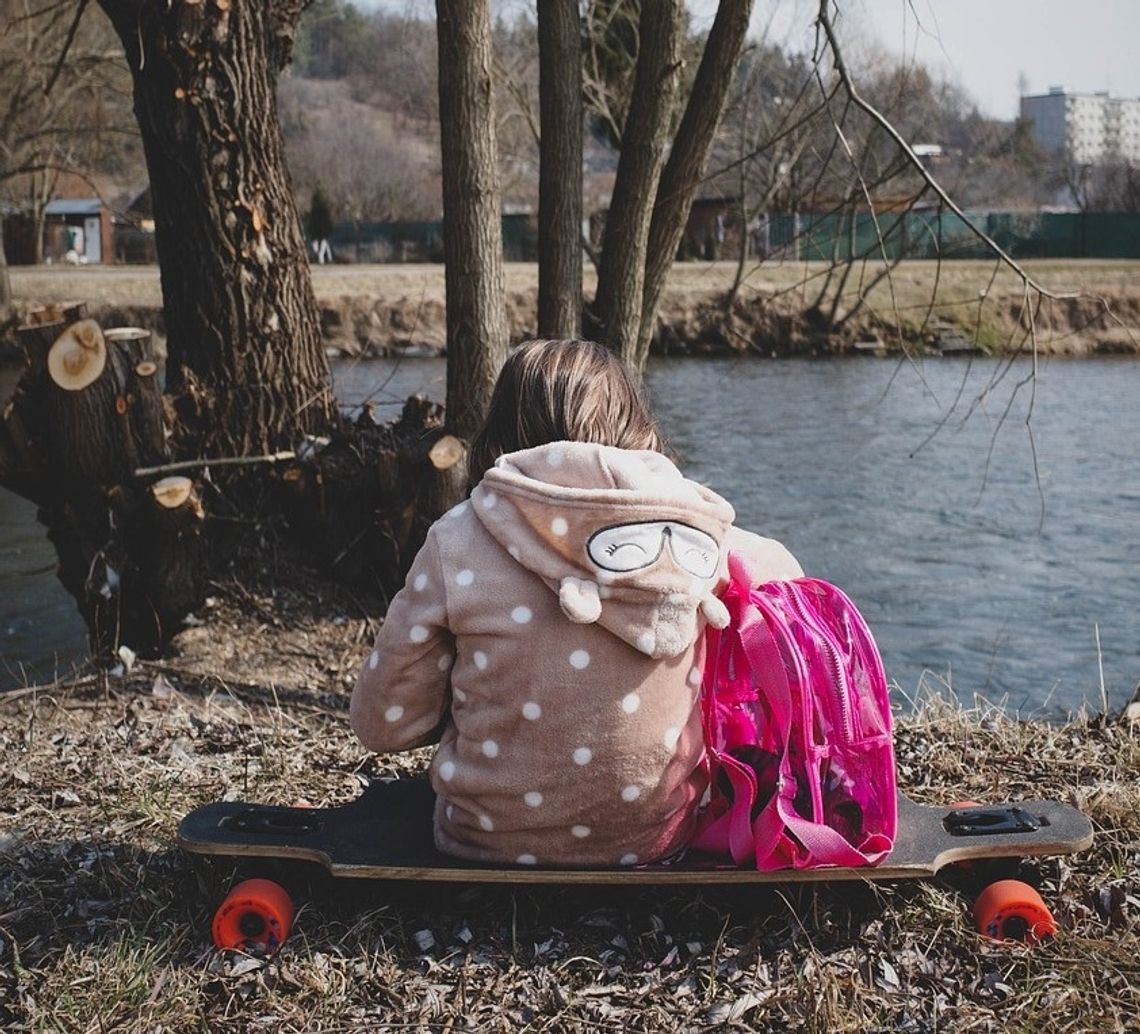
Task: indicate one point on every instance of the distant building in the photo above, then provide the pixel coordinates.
(1089, 127)
(77, 230)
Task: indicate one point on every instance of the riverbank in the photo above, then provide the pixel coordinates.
(780, 309)
(104, 922)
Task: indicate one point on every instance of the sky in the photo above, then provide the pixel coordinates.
(987, 46)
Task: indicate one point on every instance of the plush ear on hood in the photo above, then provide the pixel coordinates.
(715, 612)
(579, 600)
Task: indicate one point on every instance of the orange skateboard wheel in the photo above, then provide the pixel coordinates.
(255, 913)
(1012, 910)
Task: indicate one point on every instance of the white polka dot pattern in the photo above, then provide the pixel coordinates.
(486, 823)
(631, 793)
(630, 703)
(694, 678)
(521, 615)
(479, 659)
(417, 633)
(526, 859)
(394, 713)
(444, 661)
(490, 748)
(459, 694)
(628, 859)
(582, 756)
(373, 660)
(447, 771)
(533, 799)
(559, 526)
(579, 659)
(672, 735)
(465, 577)
(581, 832)
(531, 711)
(420, 582)
(489, 500)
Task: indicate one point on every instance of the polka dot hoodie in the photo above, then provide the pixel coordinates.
(551, 627)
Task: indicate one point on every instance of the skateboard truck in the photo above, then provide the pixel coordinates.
(983, 821)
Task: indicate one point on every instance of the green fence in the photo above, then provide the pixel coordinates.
(926, 234)
(423, 241)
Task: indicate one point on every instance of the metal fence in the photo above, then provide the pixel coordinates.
(842, 236)
(832, 237)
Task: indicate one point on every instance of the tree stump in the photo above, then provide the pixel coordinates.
(86, 414)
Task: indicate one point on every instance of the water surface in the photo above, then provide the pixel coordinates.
(978, 572)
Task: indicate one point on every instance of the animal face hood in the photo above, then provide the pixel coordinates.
(621, 536)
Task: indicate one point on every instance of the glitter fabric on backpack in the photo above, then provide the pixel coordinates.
(797, 726)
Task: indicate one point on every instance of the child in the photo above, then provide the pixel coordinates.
(551, 627)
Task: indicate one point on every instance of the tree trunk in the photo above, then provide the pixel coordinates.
(5, 279)
(472, 223)
(560, 170)
(621, 273)
(686, 165)
(238, 299)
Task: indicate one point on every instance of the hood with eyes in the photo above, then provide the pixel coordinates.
(621, 536)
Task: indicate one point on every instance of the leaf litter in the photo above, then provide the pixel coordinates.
(104, 922)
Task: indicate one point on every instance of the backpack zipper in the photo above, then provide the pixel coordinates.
(839, 684)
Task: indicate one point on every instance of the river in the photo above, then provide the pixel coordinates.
(975, 570)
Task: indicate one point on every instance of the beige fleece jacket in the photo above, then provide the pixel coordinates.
(552, 624)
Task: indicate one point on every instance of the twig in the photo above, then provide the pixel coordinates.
(871, 111)
(222, 461)
(1100, 669)
(66, 45)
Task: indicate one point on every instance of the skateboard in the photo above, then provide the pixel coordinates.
(386, 834)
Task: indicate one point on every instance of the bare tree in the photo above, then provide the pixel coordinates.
(617, 307)
(368, 171)
(57, 116)
(560, 170)
(241, 317)
(686, 164)
(472, 238)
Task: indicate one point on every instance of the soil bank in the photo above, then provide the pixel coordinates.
(779, 309)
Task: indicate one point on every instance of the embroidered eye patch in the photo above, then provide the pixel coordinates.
(630, 547)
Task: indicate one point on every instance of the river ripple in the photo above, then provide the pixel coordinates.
(973, 586)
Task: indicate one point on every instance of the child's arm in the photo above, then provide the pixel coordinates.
(769, 560)
(402, 692)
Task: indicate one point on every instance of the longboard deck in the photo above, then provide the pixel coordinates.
(386, 834)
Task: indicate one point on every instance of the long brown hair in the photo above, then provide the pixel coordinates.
(557, 391)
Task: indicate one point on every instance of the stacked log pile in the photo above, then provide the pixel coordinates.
(141, 522)
(88, 410)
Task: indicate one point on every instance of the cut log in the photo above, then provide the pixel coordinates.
(447, 451)
(78, 356)
(173, 492)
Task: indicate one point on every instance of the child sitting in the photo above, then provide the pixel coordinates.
(550, 627)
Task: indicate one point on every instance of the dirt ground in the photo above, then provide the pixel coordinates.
(392, 308)
(104, 922)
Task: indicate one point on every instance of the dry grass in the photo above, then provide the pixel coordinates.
(104, 922)
(385, 308)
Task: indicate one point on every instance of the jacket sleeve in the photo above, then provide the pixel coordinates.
(403, 691)
(769, 560)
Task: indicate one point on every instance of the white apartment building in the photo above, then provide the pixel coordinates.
(1090, 127)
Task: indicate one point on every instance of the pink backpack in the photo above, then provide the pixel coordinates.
(797, 727)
